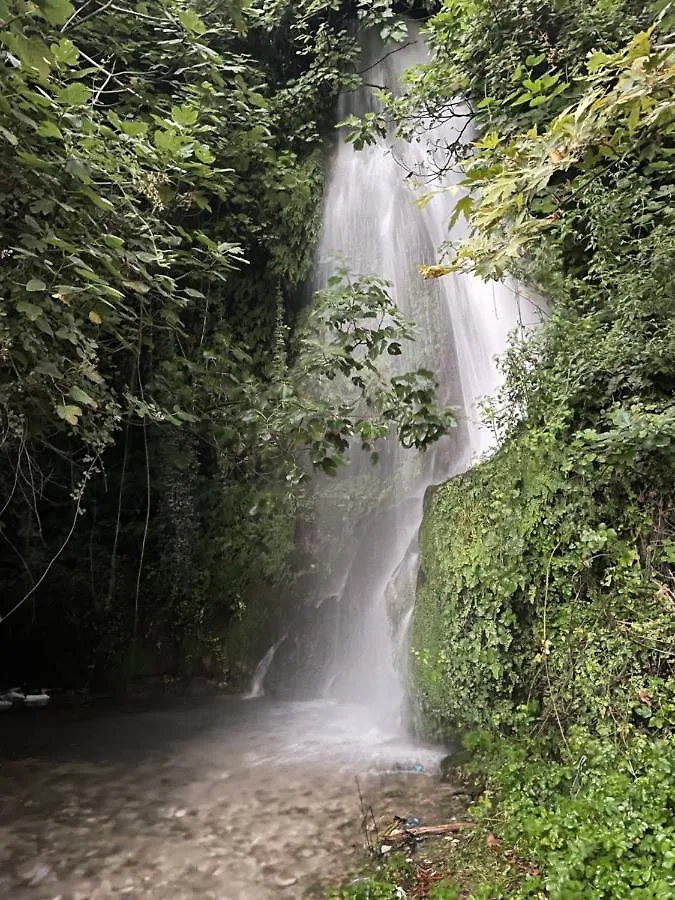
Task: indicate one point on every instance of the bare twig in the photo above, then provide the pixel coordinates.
(90, 15)
(75, 14)
(109, 77)
(113, 557)
(367, 813)
(16, 476)
(382, 58)
(148, 497)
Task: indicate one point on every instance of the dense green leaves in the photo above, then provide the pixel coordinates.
(353, 328)
(545, 621)
(162, 174)
(536, 182)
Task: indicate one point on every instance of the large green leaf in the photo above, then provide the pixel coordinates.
(76, 94)
(30, 310)
(69, 413)
(56, 12)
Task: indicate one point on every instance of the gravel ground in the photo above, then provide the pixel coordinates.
(219, 801)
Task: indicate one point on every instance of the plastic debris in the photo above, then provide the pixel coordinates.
(419, 767)
(413, 821)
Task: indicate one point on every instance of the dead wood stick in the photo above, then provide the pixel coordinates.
(422, 830)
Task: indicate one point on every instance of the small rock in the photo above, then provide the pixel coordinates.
(282, 882)
(37, 699)
(14, 695)
(180, 813)
(43, 872)
(34, 871)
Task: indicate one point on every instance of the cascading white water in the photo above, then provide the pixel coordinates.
(357, 607)
(258, 680)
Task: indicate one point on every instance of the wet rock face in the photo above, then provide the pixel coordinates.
(206, 817)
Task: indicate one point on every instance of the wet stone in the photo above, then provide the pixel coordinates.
(35, 871)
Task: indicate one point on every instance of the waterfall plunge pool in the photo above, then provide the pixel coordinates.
(219, 799)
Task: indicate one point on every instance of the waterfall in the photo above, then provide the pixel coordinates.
(257, 682)
(356, 609)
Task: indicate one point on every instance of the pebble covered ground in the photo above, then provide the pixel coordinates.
(191, 803)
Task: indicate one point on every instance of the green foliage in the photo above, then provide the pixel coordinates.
(602, 820)
(546, 616)
(519, 65)
(470, 869)
(353, 326)
(556, 614)
(160, 201)
(367, 889)
(145, 159)
(546, 185)
(519, 62)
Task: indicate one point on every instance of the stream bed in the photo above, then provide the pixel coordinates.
(221, 799)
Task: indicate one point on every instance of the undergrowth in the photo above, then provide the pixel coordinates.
(473, 864)
(545, 626)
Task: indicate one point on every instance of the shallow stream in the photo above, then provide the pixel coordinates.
(222, 799)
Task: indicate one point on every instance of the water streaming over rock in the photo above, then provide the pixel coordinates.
(258, 680)
(356, 605)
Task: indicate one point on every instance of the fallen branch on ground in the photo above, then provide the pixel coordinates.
(425, 830)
